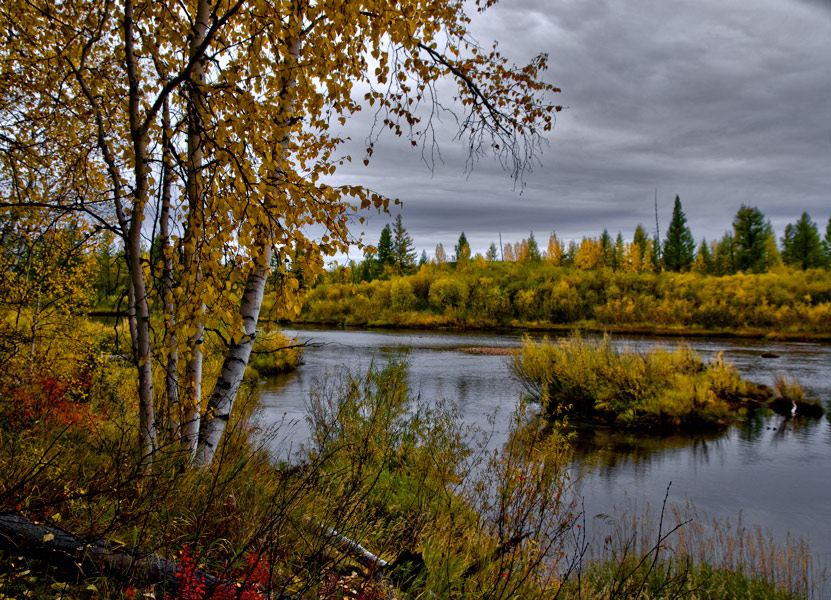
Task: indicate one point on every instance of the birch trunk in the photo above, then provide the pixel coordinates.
(195, 108)
(225, 391)
(191, 412)
(131, 319)
(171, 378)
(147, 426)
(233, 368)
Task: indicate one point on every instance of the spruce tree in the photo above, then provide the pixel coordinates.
(534, 254)
(750, 234)
(607, 248)
(706, 255)
(385, 247)
(617, 255)
(423, 259)
(801, 244)
(725, 257)
(679, 245)
(403, 251)
(493, 253)
(462, 249)
(654, 248)
(640, 239)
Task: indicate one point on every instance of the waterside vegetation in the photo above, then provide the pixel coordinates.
(590, 378)
(782, 302)
(745, 283)
(397, 475)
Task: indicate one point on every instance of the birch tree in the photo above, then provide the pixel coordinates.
(211, 123)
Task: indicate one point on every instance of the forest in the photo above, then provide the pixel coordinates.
(746, 283)
(167, 197)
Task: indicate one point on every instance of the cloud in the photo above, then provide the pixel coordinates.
(721, 102)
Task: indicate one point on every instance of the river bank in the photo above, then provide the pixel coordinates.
(753, 468)
(445, 324)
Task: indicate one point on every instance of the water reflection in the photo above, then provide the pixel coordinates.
(773, 470)
(609, 449)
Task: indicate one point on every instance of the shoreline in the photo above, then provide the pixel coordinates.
(667, 332)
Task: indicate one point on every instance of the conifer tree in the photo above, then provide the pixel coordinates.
(385, 251)
(827, 243)
(617, 255)
(607, 249)
(423, 259)
(654, 250)
(725, 255)
(462, 249)
(533, 249)
(750, 234)
(679, 246)
(569, 254)
(640, 239)
(493, 253)
(704, 258)
(403, 251)
(801, 244)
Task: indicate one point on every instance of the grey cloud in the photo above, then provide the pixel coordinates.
(723, 102)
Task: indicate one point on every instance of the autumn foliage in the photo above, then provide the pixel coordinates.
(784, 300)
(245, 584)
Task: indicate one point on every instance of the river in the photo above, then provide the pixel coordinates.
(776, 473)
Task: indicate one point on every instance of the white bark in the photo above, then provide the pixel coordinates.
(191, 413)
(195, 108)
(147, 426)
(171, 378)
(233, 368)
(224, 394)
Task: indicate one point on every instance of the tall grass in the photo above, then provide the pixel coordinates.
(398, 474)
(680, 553)
(590, 377)
(274, 353)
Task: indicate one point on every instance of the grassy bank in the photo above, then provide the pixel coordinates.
(661, 388)
(401, 476)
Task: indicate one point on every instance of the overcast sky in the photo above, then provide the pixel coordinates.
(722, 102)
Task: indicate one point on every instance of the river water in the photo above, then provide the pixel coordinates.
(774, 473)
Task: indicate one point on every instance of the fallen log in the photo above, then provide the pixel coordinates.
(403, 570)
(73, 554)
(354, 549)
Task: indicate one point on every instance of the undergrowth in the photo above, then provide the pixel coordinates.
(397, 474)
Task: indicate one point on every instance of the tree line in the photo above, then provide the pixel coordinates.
(749, 246)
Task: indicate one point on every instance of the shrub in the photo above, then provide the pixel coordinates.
(273, 353)
(448, 293)
(402, 297)
(591, 378)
